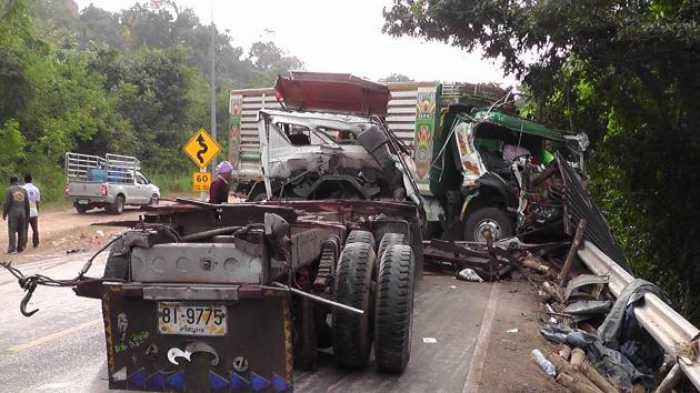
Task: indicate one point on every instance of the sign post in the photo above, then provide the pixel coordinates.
(201, 148)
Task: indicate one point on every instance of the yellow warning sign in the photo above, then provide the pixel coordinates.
(201, 181)
(201, 148)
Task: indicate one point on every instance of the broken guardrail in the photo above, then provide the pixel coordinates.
(670, 330)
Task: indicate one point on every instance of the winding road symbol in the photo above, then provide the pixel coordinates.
(203, 143)
(201, 148)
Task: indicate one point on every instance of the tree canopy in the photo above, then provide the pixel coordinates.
(132, 82)
(626, 73)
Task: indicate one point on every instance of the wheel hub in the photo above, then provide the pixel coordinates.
(484, 227)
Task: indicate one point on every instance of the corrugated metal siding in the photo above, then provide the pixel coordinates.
(401, 113)
(253, 101)
(400, 118)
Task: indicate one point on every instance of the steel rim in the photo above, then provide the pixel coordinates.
(484, 226)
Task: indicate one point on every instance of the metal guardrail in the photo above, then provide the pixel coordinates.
(670, 330)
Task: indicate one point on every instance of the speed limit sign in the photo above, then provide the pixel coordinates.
(201, 181)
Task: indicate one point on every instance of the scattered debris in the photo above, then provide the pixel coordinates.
(575, 245)
(429, 340)
(544, 364)
(586, 309)
(512, 331)
(575, 287)
(469, 275)
(535, 263)
(99, 233)
(622, 352)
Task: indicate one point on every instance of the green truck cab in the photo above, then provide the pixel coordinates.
(472, 168)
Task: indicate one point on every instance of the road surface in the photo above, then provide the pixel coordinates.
(458, 341)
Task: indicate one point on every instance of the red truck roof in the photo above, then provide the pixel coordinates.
(330, 92)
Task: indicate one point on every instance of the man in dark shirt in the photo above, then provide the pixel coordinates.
(219, 190)
(16, 211)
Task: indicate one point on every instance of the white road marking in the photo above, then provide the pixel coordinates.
(53, 336)
(471, 385)
(54, 386)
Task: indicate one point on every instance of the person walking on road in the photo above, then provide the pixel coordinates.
(16, 211)
(34, 197)
(220, 188)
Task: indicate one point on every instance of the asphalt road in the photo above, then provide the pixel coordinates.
(61, 348)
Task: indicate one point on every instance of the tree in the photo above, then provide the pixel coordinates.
(626, 72)
(269, 61)
(395, 77)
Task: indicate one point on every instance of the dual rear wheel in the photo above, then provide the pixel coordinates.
(382, 285)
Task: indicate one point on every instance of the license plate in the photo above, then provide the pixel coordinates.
(192, 319)
(81, 202)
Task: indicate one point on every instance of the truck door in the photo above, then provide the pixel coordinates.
(142, 191)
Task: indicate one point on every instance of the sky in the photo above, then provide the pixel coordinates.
(337, 36)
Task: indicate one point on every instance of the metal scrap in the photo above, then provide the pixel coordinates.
(581, 281)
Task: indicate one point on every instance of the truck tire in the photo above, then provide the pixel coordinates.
(118, 205)
(389, 239)
(117, 267)
(393, 320)
(351, 338)
(493, 218)
(357, 236)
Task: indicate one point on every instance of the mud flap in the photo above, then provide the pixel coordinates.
(254, 354)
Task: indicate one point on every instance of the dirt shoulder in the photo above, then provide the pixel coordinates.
(65, 231)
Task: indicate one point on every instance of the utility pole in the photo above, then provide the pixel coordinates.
(212, 84)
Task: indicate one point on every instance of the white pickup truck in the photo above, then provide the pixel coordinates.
(111, 183)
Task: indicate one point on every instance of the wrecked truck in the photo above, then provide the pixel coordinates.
(478, 168)
(198, 297)
(483, 173)
(235, 297)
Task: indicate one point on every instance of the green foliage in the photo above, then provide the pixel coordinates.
(12, 148)
(134, 82)
(173, 182)
(395, 77)
(626, 73)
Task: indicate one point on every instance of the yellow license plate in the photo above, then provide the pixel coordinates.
(190, 319)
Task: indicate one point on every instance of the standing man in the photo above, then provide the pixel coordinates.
(16, 211)
(34, 197)
(219, 190)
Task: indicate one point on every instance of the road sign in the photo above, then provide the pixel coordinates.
(201, 181)
(201, 148)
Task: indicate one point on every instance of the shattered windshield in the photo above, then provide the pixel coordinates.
(300, 135)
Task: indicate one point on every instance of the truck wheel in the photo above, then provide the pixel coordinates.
(394, 309)
(154, 200)
(351, 340)
(117, 267)
(487, 219)
(389, 239)
(118, 205)
(357, 236)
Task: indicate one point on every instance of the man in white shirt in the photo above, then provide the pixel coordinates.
(34, 197)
